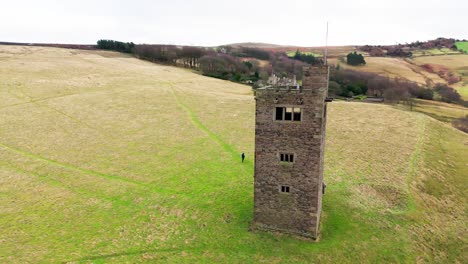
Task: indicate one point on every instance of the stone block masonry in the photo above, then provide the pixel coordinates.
(289, 153)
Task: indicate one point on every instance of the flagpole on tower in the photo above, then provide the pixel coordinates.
(326, 47)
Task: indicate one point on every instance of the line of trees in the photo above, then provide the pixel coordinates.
(119, 46)
(230, 68)
(166, 54)
(185, 56)
(238, 64)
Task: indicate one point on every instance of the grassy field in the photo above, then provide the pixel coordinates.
(335, 51)
(108, 159)
(463, 90)
(452, 62)
(434, 52)
(291, 53)
(439, 110)
(462, 45)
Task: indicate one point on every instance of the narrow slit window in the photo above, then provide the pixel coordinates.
(286, 157)
(285, 189)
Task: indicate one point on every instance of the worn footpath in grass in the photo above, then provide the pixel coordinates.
(108, 159)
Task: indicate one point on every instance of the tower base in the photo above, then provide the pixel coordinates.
(259, 227)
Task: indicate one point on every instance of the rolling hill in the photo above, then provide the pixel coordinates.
(413, 68)
(442, 61)
(106, 158)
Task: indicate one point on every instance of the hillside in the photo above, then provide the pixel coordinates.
(106, 158)
(455, 63)
(413, 69)
(257, 45)
(425, 67)
(333, 51)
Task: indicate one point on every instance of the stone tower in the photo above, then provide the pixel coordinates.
(289, 152)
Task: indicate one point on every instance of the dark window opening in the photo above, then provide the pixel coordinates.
(286, 157)
(285, 189)
(297, 114)
(288, 113)
(279, 113)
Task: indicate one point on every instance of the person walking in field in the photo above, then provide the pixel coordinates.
(243, 157)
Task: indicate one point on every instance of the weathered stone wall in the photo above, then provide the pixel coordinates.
(299, 210)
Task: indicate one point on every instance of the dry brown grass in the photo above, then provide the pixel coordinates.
(371, 157)
(393, 67)
(453, 62)
(439, 110)
(458, 64)
(334, 51)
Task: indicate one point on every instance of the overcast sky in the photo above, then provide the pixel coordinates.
(216, 22)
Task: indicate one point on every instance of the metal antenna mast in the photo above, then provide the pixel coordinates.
(326, 47)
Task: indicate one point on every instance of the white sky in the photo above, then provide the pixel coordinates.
(211, 22)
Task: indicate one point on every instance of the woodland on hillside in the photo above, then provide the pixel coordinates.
(254, 66)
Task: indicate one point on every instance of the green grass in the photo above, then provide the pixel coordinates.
(108, 159)
(463, 91)
(462, 45)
